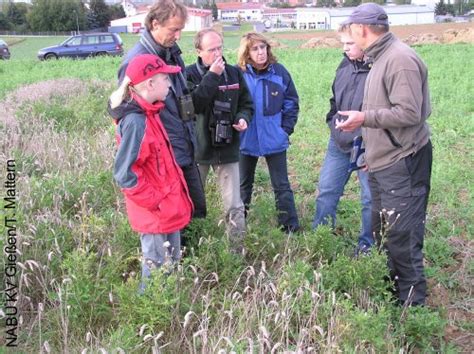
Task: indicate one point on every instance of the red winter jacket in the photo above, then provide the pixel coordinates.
(155, 190)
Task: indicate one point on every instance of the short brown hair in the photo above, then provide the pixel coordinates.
(163, 10)
(378, 29)
(200, 35)
(247, 41)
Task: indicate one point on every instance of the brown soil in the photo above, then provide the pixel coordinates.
(413, 34)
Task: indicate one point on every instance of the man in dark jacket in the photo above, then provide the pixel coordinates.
(348, 93)
(398, 147)
(224, 107)
(164, 24)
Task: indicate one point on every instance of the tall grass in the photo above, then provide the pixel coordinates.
(80, 262)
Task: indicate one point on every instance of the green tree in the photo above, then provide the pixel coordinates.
(326, 3)
(215, 13)
(403, 2)
(380, 2)
(350, 3)
(463, 6)
(98, 14)
(450, 9)
(440, 8)
(57, 15)
(5, 24)
(116, 11)
(16, 13)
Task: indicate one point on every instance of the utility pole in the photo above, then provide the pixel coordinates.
(77, 21)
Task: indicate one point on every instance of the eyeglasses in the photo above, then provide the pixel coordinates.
(214, 50)
(255, 48)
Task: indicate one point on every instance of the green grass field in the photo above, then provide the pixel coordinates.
(79, 264)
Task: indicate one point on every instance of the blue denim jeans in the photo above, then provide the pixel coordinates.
(159, 250)
(284, 198)
(332, 180)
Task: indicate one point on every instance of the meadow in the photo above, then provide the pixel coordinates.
(79, 261)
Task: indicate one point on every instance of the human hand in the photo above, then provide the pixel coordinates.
(354, 120)
(241, 126)
(218, 66)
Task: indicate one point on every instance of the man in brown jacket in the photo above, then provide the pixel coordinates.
(398, 148)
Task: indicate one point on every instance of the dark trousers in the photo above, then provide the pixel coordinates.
(196, 190)
(399, 200)
(284, 199)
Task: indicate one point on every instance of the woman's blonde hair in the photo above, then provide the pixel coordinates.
(246, 42)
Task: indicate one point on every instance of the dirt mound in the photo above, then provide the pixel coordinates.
(424, 38)
(276, 44)
(325, 42)
(459, 30)
(459, 36)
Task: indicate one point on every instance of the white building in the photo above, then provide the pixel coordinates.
(322, 18)
(430, 3)
(237, 11)
(197, 19)
(285, 17)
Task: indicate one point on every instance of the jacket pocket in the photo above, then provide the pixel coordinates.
(175, 208)
(392, 139)
(272, 98)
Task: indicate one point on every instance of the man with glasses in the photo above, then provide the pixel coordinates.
(398, 151)
(224, 107)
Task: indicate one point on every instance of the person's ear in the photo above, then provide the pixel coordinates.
(155, 25)
(149, 84)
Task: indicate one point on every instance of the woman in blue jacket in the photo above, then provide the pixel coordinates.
(275, 115)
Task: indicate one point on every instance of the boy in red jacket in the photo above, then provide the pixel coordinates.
(156, 194)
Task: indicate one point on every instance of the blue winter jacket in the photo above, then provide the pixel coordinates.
(275, 111)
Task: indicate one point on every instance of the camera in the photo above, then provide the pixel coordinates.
(222, 130)
(186, 107)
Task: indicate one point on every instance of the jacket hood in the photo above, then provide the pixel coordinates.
(125, 108)
(357, 65)
(135, 104)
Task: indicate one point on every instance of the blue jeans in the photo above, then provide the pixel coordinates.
(284, 198)
(332, 180)
(159, 250)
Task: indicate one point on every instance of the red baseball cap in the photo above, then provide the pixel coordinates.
(144, 66)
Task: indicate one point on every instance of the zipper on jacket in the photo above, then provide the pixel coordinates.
(392, 138)
(265, 97)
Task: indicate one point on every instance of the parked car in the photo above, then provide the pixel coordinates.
(83, 46)
(4, 51)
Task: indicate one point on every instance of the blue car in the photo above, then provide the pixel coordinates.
(83, 46)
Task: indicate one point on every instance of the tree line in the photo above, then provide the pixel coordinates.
(74, 15)
(58, 15)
